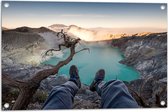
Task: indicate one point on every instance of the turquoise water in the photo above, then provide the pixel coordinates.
(105, 57)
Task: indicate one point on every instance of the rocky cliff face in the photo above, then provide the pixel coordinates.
(21, 47)
(25, 45)
(148, 54)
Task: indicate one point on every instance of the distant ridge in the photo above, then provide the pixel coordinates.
(31, 30)
(87, 34)
(4, 28)
(57, 25)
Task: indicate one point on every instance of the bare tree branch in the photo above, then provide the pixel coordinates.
(82, 50)
(45, 73)
(7, 80)
(29, 87)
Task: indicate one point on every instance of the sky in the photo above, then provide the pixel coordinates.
(87, 15)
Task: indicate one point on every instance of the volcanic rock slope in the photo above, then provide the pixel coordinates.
(24, 43)
(148, 54)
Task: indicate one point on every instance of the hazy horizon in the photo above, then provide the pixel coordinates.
(82, 27)
(148, 16)
(113, 30)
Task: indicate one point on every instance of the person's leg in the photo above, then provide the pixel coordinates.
(61, 97)
(114, 94)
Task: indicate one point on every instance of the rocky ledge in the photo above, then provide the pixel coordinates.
(84, 99)
(147, 53)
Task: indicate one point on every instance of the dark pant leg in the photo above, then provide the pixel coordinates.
(61, 97)
(114, 94)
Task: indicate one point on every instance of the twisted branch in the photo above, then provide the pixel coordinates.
(7, 80)
(29, 87)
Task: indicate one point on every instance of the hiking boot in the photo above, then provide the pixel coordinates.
(74, 76)
(99, 77)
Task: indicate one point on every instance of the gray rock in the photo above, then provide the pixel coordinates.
(147, 54)
(52, 81)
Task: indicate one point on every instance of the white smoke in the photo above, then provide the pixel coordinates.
(90, 35)
(53, 42)
(51, 39)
